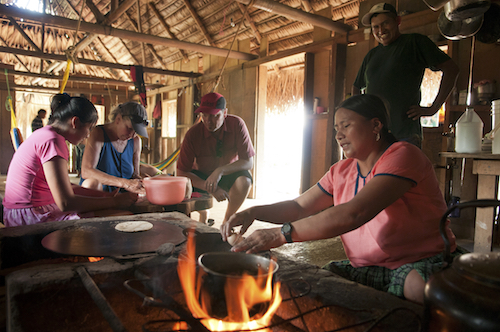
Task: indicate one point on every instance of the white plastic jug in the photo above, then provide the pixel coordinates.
(469, 132)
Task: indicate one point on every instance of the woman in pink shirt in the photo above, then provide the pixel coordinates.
(38, 188)
(383, 200)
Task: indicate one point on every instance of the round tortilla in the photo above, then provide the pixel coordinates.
(133, 226)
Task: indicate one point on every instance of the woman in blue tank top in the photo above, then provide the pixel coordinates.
(112, 155)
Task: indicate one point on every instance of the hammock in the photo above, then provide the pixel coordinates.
(15, 133)
(167, 162)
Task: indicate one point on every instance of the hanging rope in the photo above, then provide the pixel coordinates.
(218, 79)
(70, 52)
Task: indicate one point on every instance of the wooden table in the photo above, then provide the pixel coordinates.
(487, 168)
(186, 206)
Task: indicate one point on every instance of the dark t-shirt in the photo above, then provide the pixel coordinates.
(394, 72)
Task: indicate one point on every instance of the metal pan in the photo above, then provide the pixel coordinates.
(100, 239)
(456, 30)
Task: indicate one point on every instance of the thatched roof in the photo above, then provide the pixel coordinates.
(211, 24)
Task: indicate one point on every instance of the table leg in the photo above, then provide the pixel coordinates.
(483, 235)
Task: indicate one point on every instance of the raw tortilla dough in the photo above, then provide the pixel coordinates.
(133, 226)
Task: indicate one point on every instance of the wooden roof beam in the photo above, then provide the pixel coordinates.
(62, 22)
(85, 79)
(255, 31)
(307, 6)
(110, 18)
(150, 47)
(199, 23)
(60, 57)
(22, 63)
(165, 26)
(123, 73)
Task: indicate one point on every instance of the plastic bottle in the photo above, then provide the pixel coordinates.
(469, 132)
(495, 120)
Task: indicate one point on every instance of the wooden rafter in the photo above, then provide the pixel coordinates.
(124, 6)
(149, 46)
(199, 23)
(101, 19)
(307, 6)
(60, 57)
(22, 63)
(139, 29)
(103, 46)
(255, 31)
(166, 28)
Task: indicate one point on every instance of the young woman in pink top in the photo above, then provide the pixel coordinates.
(38, 188)
(383, 200)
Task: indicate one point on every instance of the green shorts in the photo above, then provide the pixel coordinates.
(387, 280)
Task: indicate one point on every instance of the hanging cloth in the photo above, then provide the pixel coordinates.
(137, 74)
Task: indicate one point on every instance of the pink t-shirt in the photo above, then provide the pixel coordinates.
(407, 230)
(26, 186)
(199, 147)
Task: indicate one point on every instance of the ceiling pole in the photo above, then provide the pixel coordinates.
(139, 29)
(99, 29)
(199, 23)
(167, 28)
(298, 15)
(125, 5)
(86, 79)
(150, 47)
(60, 57)
(22, 63)
(255, 31)
(126, 73)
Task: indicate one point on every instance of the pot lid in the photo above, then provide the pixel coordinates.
(458, 10)
(455, 30)
(483, 267)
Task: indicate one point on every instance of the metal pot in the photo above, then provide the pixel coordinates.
(435, 5)
(458, 10)
(464, 296)
(456, 30)
(222, 272)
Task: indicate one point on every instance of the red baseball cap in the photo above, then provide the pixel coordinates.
(212, 103)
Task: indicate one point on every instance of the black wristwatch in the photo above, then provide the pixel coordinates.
(286, 230)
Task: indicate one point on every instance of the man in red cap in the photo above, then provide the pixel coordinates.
(395, 68)
(217, 154)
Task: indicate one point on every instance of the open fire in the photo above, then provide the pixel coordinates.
(241, 294)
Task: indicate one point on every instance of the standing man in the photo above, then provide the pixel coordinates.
(37, 122)
(395, 68)
(217, 154)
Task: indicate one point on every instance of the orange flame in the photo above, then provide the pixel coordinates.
(95, 259)
(241, 295)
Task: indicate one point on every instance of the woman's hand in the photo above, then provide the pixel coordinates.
(260, 240)
(212, 182)
(134, 186)
(220, 195)
(244, 219)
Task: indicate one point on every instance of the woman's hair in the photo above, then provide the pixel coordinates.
(64, 107)
(370, 106)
